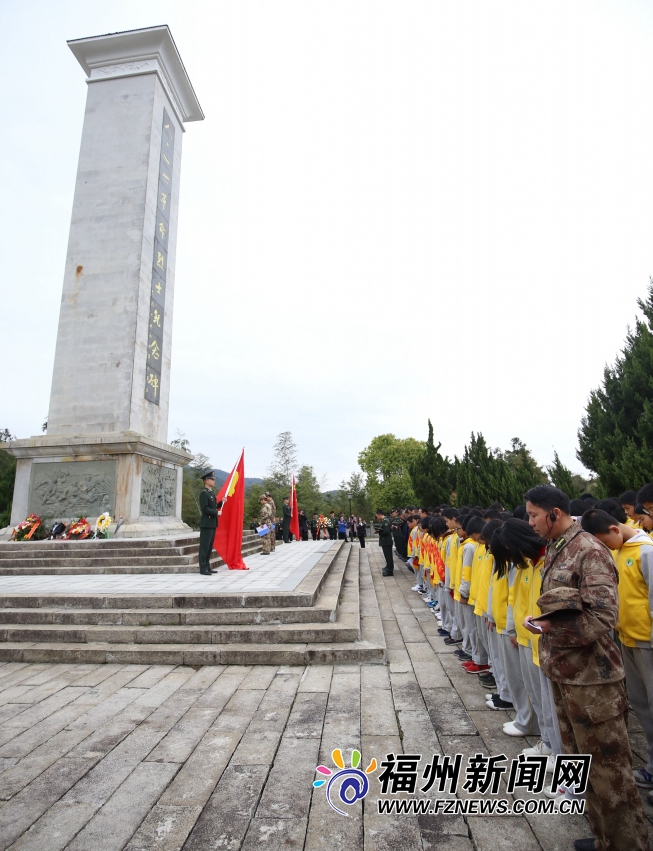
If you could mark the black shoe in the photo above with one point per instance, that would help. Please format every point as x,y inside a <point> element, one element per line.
<point>449,641</point>
<point>464,657</point>
<point>497,703</point>
<point>585,844</point>
<point>205,573</point>
<point>443,633</point>
<point>487,681</point>
<point>387,573</point>
<point>213,571</point>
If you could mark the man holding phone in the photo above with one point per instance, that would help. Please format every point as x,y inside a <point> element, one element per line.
<point>579,656</point>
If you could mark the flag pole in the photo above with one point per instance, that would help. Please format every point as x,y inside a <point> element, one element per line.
<point>233,473</point>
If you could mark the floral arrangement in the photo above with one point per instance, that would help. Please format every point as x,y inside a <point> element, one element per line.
<point>25,530</point>
<point>79,530</point>
<point>102,525</point>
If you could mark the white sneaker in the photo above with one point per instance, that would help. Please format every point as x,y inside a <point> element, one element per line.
<point>510,730</point>
<point>540,749</point>
<point>558,795</point>
<point>415,587</point>
<point>550,764</point>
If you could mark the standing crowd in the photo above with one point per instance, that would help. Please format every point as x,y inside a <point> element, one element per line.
<point>551,608</point>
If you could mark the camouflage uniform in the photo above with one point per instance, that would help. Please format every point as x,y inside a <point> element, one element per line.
<point>579,656</point>
<point>273,519</point>
<point>266,517</point>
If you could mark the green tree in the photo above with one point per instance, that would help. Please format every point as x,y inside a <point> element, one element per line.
<point>562,477</point>
<point>431,474</point>
<point>616,434</point>
<point>309,497</point>
<point>284,463</point>
<point>361,505</point>
<point>385,463</point>
<point>526,472</point>
<point>7,479</point>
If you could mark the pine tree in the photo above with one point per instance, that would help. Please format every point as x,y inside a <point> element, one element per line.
<point>526,472</point>
<point>616,434</point>
<point>481,476</point>
<point>562,477</point>
<point>430,474</point>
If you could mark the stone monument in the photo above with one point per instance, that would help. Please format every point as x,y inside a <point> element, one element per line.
<point>106,442</point>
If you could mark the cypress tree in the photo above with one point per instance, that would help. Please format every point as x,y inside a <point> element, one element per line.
<point>616,434</point>
<point>430,474</point>
<point>562,477</point>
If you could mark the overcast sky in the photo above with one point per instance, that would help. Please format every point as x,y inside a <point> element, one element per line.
<point>393,211</point>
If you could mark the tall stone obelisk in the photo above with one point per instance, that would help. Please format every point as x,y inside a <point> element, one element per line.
<point>106,443</point>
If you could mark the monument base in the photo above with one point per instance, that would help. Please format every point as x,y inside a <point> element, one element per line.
<point>136,479</point>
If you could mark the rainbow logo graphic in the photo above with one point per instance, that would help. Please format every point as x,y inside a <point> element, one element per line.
<point>351,784</point>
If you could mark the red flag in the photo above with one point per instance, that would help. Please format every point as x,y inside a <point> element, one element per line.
<point>228,539</point>
<point>294,514</point>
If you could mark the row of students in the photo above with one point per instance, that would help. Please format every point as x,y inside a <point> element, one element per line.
<point>483,579</point>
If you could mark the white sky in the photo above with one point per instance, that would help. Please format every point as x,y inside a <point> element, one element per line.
<point>393,211</point>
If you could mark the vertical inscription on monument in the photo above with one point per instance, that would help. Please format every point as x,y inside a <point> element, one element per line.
<point>160,265</point>
<point>158,491</point>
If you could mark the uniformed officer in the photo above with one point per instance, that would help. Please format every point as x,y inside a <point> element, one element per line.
<point>285,525</point>
<point>208,522</point>
<point>385,542</point>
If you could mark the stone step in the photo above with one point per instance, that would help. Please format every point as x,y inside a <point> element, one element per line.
<point>325,575</point>
<point>189,540</point>
<point>344,630</point>
<point>195,626</point>
<point>352,639</point>
<point>64,566</point>
<point>345,583</point>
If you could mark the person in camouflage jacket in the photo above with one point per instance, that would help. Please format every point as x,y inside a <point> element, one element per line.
<point>578,654</point>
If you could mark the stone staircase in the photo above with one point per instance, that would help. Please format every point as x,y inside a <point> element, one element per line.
<point>114,555</point>
<point>318,623</point>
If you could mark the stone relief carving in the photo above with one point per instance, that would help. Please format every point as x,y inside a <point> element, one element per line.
<point>158,491</point>
<point>73,488</point>
<point>107,70</point>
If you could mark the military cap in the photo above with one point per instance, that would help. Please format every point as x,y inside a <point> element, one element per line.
<point>208,474</point>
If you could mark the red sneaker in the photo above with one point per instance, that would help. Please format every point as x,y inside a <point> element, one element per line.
<point>469,665</point>
<point>476,669</point>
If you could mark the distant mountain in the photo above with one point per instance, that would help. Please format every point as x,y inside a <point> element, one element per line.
<point>222,476</point>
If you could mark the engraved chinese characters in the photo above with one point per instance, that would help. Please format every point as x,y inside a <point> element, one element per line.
<point>158,491</point>
<point>160,264</point>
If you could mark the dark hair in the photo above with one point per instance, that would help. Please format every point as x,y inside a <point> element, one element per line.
<point>586,495</point>
<point>463,520</point>
<point>628,498</point>
<point>496,505</point>
<point>437,526</point>
<point>492,514</point>
<point>501,554</point>
<point>475,526</point>
<point>613,507</point>
<point>378,511</point>
<point>464,510</point>
<point>645,494</point>
<point>577,507</point>
<point>505,515</point>
<point>450,513</point>
<point>489,529</point>
<point>519,512</point>
<point>548,497</point>
<point>639,509</point>
<point>589,501</point>
<point>424,522</point>
<point>597,522</point>
<point>521,541</point>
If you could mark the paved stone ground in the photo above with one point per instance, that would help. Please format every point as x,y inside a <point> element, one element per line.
<point>160,757</point>
<point>282,570</point>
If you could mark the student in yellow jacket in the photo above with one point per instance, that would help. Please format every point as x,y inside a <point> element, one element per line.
<point>507,560</point>
<point>635,621</point>
<point>451,562</point>
<point>527,551</point>
<point>478,664</point>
